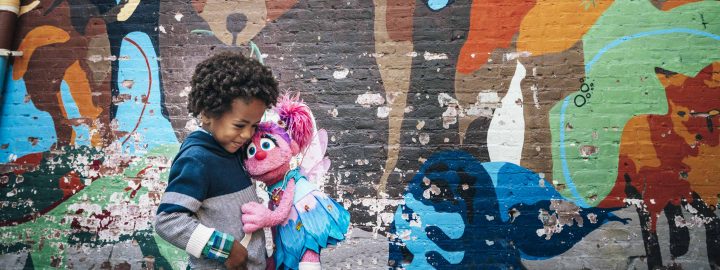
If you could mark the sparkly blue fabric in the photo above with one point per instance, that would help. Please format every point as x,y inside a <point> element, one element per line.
<point>316,221</point>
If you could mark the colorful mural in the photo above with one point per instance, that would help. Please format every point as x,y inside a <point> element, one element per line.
<point>463,133</point>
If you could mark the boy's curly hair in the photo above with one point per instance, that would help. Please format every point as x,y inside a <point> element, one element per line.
<point>222,78</point>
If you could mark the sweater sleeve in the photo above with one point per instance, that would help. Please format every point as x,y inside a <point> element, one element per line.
<point>175,220</point>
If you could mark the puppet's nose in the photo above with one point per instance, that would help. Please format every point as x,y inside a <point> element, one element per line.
<point>261,155</point>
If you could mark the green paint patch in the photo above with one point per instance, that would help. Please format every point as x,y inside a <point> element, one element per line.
<point>110,209</point>
<point>622,50</point>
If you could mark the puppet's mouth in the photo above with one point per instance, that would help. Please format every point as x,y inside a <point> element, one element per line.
<point>271,176</point>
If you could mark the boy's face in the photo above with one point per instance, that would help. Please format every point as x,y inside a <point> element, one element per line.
<point>235,127</point>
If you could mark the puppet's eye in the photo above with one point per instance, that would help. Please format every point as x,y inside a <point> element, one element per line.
<point>251,150</point>
<point>266,144</point>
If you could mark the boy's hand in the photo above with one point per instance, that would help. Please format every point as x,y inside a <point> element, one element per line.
<point>237,258</point>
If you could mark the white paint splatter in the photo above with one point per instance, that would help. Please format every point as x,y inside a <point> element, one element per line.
<point>451,113</point>
<point>420,124</point>
<point>514,55</point>
<point>185,92</point>
<point>178,16</point>
<point>333,112</point>
<point>489,217</point>
<point>424,138</point>
<point>341,74</point>
<point>489,242</point>
<point>162,29</point>
<point>450,116</point>
<point>636,202</point>
<point>412,54</point>
<point>192,125</point>
<point>369,99</point>
<point>383,112</point>
<point>506,133</point>
<point>534,90</point>
<point>434,56</point>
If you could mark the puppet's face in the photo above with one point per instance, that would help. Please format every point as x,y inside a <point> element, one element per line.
<point>268,157</point>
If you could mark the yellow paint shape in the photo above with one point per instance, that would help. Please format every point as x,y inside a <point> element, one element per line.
<point>674,80</point>
<point>127,10</point>
<point>394,66</point>
<point>38,37</point>
<point>554,26</point>
<point>26,8</point>
<point>636,143</point>
<point>678,125</point>
<point>703,173</point>
<point>215,13</point>
<point>76,78</point>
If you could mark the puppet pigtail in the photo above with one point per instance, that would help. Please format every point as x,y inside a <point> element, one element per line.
<point>298,119</point>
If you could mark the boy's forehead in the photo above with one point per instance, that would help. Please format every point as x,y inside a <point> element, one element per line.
<point>251,111</point>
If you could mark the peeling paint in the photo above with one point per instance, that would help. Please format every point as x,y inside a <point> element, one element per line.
<point>341,74</point>
<point>434,56</point>
<point>383,112</point>
<point>369,99</point>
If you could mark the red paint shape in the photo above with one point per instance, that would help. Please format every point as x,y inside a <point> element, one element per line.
<point>70,184</point>
<point>668,183</point>
<point>493,23</point>
<point>26,162</point>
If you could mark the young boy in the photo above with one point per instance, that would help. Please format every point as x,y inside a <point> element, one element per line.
<point>200,209</point>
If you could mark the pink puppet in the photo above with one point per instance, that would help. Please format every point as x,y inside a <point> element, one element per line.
<point>283,155</point>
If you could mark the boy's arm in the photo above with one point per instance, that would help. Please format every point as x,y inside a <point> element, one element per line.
<point>176,221</point>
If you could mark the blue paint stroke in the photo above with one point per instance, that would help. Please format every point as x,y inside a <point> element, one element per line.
<point>483,195</point>
<point>588,66</point>
<point>82,132</point>
<point>153,129</point>
<point>427,215</point>
<point>20,120</point>
<point>436,5</point>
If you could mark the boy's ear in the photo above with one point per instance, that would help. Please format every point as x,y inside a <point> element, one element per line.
<point>204,120</point>
<point>294,148</point>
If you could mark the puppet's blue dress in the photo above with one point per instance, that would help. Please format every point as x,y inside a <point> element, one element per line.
<point>315,221</point>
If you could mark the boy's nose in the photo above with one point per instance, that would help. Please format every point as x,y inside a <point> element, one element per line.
<point>261,155</point>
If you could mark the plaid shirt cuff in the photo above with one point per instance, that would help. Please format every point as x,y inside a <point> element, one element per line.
<point>219,246</point>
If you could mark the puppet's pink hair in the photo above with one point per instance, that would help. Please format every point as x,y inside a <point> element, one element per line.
<point>298,118</point>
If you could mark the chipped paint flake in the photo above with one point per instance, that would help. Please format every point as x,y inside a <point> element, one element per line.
<point>383,112</point>
<point>341,74</point>
<point>434,56</point>
<point>369,99</point>
<point>424,138</point>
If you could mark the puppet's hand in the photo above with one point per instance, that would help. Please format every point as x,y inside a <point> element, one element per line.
<point>255,216</point>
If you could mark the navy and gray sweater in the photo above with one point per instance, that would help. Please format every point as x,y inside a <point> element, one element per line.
<point>206,188</point>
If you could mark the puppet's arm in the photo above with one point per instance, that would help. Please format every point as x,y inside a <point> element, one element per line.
<point>256,216</point>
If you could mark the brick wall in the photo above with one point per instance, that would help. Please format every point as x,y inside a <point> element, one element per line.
<point>463,134</point>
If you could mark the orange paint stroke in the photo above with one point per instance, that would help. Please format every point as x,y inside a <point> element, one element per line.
<point>493,23</point>
<point>38,37</point>
<point>554,26</point>
<point>637,143</point>
<point>276,8</point>
<point>76,78</point>
<point>670,4</point>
